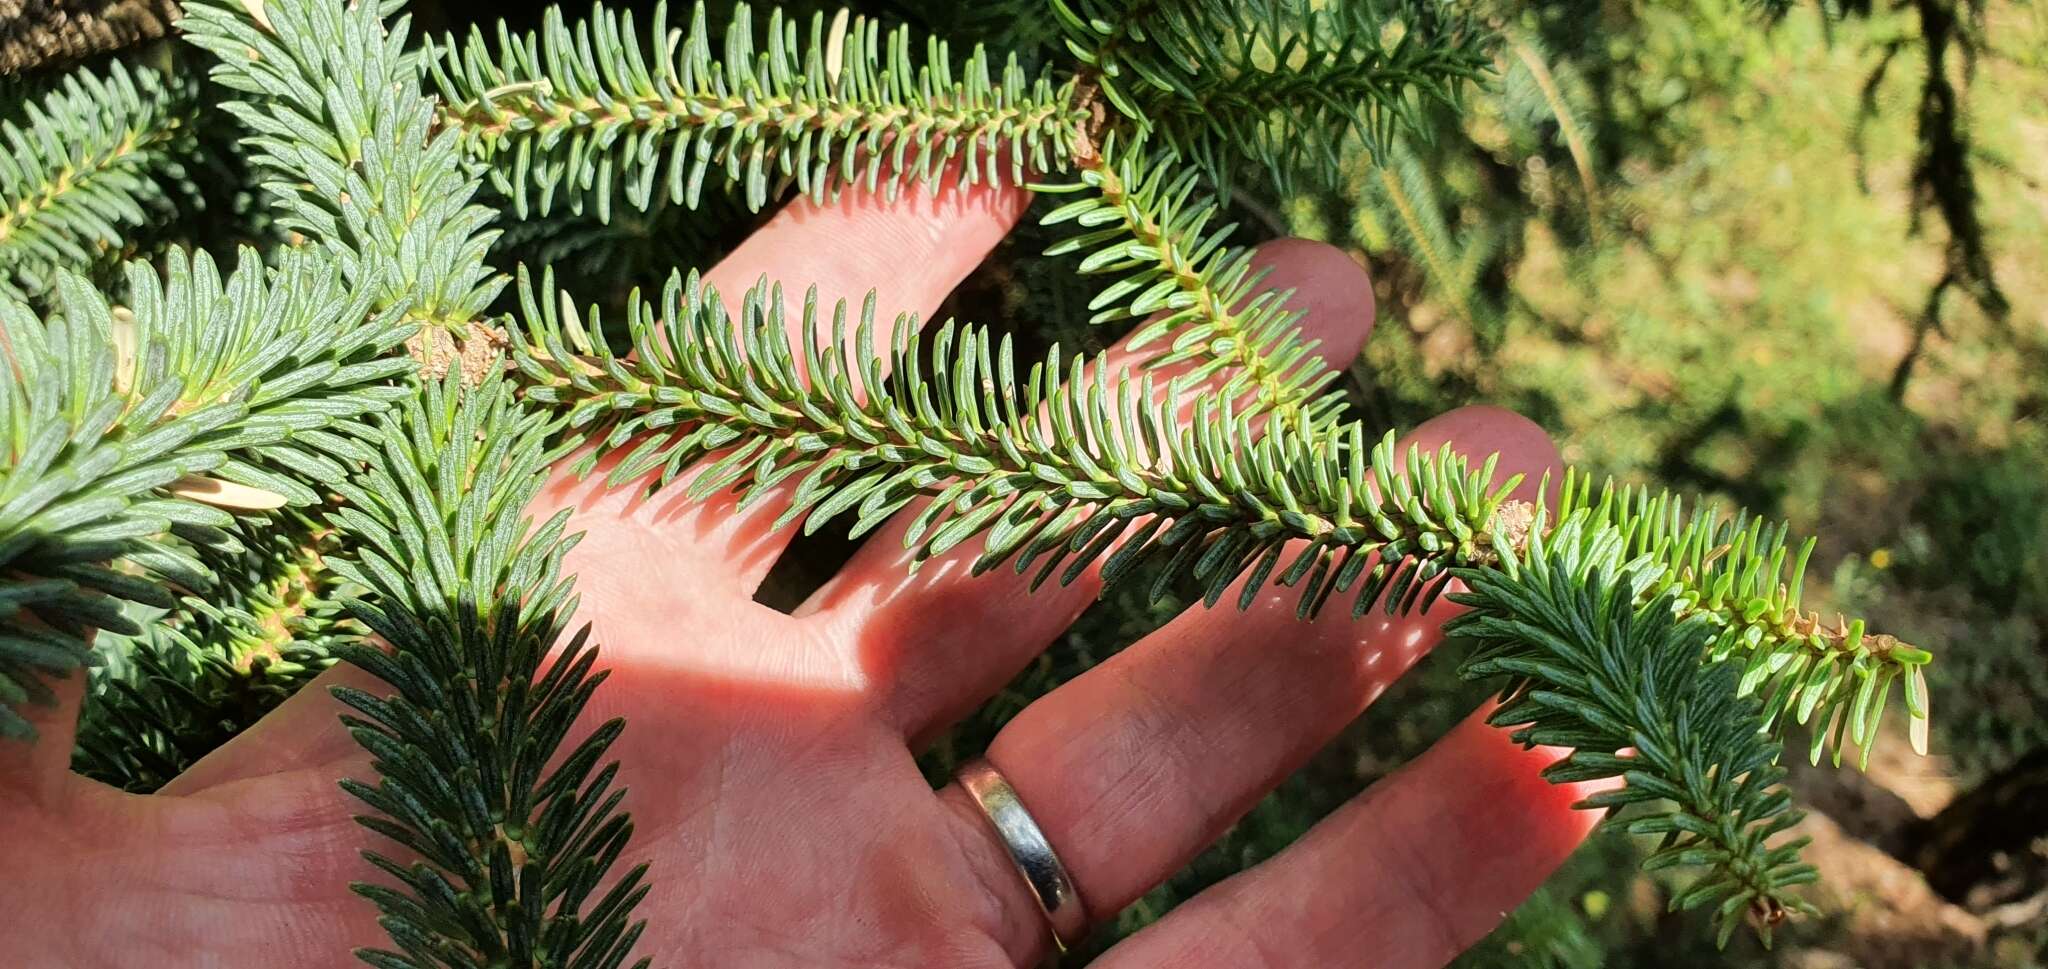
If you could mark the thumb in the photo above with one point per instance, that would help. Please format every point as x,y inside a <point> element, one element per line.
<point>304,731</point>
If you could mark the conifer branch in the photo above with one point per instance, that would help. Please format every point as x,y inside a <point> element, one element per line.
<point>511,842</point>
<point>339,128</point>
<point>1278,84</point>
<point>1610,665</point>
<point>1743,579</point>
<point>1101,34</point>
<point>1058,463</point>
<point>1072,450</point>
<point>594,109</point>
<point>512,836</point>
<point>138,446</point>
<point>1151,229</point>
<point>1074,465</point>
<point>1405,187</point>
<point>115,428</point>
<point>161,700</point>
<point>84,165</point>
<point>1531,57</point>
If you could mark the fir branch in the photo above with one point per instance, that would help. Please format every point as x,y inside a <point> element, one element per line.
<point>118,433</point>
<point>592,110</point>
<point>1061,462</point>
<point>1406,190</point>
<point>345,139</point>
<point>1743,579</point>
<point>86,164</point>
<point>1278,84</point>
<point>1536,88</point>
<point>1071,452</point>
<point>1107,37</point>
<point>512,835</point>
<point>1603,662</point>
<point>511,842</point>
<point>215,664</point>
<point>1630,625</point>
<point>1151,229</point>
<point>1073,465</point>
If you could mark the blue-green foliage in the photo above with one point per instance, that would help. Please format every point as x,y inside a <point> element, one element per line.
<point>153,436</point>
<point>86,163</point>
<point>599,108</point>
<point>244,379</point>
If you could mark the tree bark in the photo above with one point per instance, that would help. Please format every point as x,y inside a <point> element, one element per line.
<point>44,33</point>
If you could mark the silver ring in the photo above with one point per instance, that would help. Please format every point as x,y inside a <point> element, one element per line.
<point>1029,852</point>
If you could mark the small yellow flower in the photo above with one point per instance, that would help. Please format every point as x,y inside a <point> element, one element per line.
<point>1881,559</point>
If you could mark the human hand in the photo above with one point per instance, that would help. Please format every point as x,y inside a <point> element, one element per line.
<point>770,756</point>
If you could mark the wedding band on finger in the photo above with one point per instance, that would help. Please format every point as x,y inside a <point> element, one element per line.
<point>1029,852</point>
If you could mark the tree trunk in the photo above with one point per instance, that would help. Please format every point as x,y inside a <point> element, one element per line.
<point>40,33</point>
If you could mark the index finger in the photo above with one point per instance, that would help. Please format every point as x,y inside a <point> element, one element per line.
<point>910,252</point>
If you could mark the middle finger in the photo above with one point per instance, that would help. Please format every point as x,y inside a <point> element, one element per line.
<point>946,640</point>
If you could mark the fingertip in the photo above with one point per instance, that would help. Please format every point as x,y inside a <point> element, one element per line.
<point>911,248</point>
<point>1484,797</point>
<point>1478,748</point>
<point>1331,288</point>
<point>1480,430</point>
<point>39,767</point>
<point>956,222</point>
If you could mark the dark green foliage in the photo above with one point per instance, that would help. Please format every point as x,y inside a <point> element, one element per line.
<point>510,843</point>
<point>511,834</point>
<point>1602,663</point>
<point>1277,84</point>
<point>1629,625</point>
<point>198,674</point>
<point>1019,27</point>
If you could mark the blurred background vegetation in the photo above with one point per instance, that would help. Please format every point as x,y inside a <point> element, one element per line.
<point>1790,255</point>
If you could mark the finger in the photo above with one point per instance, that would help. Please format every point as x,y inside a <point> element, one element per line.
<point>1135,766</point>
<point>34,770</point>
<point>911,252</point>
<point>304,731</point>
<point>1405,876</point>
<point>911,626</point>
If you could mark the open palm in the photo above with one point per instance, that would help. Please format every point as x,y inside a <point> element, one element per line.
<point>770,755</point>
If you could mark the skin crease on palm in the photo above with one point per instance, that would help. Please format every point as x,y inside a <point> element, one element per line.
<point>770,755</point>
